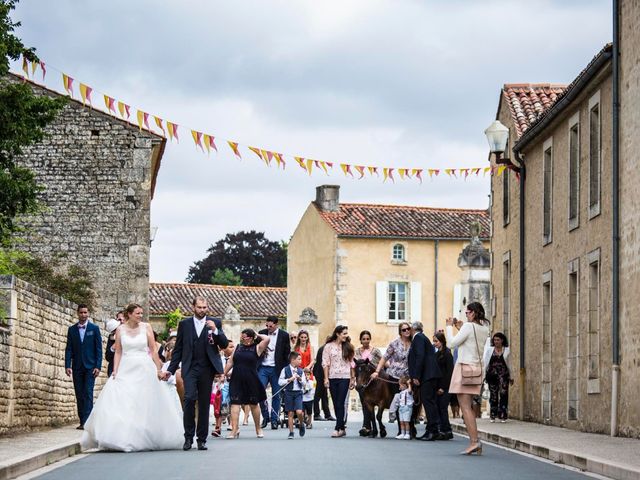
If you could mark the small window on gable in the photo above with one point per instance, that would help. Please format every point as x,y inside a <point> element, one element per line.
<point>398,254</point>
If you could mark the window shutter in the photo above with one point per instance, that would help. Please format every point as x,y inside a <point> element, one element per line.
<point>382,305</point>
<point>415,296</point>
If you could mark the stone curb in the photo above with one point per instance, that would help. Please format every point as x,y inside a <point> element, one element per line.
<point>584,463</point>
<point>27,463</point>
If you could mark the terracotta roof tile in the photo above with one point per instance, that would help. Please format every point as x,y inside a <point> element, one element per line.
<point>251,302</point>
<point>527,102</point>
<point>396,221</point>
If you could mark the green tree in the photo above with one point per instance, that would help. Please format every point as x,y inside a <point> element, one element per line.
<point>251,256</point>
<point>225,277</point>
<point>23,117</point>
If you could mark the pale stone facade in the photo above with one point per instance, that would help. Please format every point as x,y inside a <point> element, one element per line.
<point>98,173</point>
<point>629,403</point>
<point>344,278</point>
<point>567,375</point>
<point>34,390</point>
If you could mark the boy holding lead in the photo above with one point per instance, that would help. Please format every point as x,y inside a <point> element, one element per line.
<point>293,379</point>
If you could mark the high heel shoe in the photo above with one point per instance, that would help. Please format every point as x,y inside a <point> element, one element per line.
<point>470,451</point>
<point>232,435</point>
<point>260,434</point>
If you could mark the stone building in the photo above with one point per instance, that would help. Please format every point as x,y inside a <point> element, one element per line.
<point>372,266</point>
<point>238,307</point>
<point>568,370</point>
<point>99,173</point>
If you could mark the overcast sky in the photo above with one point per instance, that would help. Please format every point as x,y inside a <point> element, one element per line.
<point>372,82</point>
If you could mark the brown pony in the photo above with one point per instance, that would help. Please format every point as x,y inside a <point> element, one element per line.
<point>375,393</point>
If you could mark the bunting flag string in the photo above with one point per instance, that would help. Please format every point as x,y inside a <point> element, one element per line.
<point>85,93</point>
<point>207,141</point>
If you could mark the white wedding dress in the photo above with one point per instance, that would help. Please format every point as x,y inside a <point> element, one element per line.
<point>135,411</point>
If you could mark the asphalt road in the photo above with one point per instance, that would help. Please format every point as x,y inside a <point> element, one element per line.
<point>314,456</point>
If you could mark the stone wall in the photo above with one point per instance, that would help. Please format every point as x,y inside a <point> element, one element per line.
<point>34,390</point>
<point>98,174</point>
<point>629,404</point>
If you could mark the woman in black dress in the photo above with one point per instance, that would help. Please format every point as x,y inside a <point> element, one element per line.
<point>245,387</point>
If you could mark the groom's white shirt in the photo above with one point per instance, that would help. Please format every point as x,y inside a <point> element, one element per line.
<point>199,324</point>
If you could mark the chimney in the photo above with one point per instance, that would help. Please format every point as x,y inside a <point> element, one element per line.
<point>328,197</point>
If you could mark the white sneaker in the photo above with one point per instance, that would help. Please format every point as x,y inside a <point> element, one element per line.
<point>407,436</point>
<point>400,437</point>
<point>493,420</point>
<point>504,420</point>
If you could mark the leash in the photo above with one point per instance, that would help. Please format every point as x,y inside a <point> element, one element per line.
<point>381,379</point>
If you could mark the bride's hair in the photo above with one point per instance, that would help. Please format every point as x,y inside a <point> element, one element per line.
<point>130,309</point>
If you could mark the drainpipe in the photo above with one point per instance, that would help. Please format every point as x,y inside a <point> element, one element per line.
<point>522,289</point>
<point>436,248</point>
<point>615,260</point>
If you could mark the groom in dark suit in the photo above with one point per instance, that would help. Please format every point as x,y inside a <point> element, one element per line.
<point>83,361</point>
<point>199,338</point>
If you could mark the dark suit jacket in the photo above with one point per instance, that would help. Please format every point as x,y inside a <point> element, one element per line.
<point>110,356</point>
<point>422,359</point>
<point>318,371</point>
<point>283,349</point>
<point>183,350</point>
<point>445,363</point>
<point>83,354</point>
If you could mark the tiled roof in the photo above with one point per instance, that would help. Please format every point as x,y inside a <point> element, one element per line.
<point>568,94</point>
<point>527,102</point>
<point>393,221</point>
<point>251,302</point>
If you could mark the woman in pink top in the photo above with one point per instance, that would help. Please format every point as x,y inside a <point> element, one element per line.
<point>339,375</point>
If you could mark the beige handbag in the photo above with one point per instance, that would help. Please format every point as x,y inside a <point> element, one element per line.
<point>472,372</point>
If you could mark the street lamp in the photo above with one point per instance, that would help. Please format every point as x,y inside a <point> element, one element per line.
<point>498,136</point>
<point>152,234</point>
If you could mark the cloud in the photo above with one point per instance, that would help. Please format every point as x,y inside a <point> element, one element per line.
<point>380,82</point>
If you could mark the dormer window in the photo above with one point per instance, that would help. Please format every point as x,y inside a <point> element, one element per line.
<point>398,254</point>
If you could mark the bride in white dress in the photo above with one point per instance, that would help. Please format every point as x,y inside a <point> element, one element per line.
<point>135,410</point>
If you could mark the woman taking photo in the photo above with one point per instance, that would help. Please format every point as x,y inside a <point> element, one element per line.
<point>498,374</point>
<point>303,347</point>
<point>339,375</point>
<point>245,387</point>
<point>366,352</point>
<point>466,380</point>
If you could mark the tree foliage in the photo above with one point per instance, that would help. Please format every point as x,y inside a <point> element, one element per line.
<point>23,117</point>
<point>225,277</point>
<point>256,260</point>
<point>70,281</point>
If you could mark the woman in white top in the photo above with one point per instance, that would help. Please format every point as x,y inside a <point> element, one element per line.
<point>470,342</point>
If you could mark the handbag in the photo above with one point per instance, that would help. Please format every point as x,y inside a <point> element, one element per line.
<point>472,373</point>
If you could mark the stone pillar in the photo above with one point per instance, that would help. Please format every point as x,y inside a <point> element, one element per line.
<point>475,263</point>
<point>308,321</point>
<point>232,324</point>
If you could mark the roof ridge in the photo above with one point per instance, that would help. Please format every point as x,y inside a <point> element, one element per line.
<point>421,207</point>
<point>534,85</point>
<point>218,287</point>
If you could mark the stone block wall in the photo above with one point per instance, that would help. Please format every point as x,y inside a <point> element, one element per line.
<point>34,390</point>
<point>98,173</point>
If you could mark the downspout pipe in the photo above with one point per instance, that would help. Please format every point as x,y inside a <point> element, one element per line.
<point>436,247</point>
<point>522,289</point>
<point>615,234</point>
